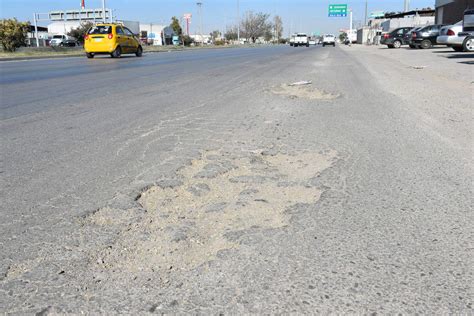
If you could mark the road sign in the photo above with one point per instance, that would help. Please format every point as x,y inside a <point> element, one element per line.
<point>337,10</point>
<point>377,14</point>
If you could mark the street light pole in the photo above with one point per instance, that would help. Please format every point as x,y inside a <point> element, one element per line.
<point>199,4</point>
<point>238,21</point>
<point>103,11</point>
<point>366,5</point>
<point>36,30</point>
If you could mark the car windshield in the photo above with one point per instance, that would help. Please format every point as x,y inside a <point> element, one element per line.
<point>100,29</point>
<point>57,36</point>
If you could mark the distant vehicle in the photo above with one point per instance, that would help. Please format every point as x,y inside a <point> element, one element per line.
<point>425,37</point>
<point>329,39</point>
<point>351,37</point>
<point>408,35</point>
<point>312,42</point>
<point>113,39</point>
<point>448,35</point>
<point>301,39</point>
<point>63,40</point>
<point>292,40</point>
<point>396,38</point>
<point>468,31</point>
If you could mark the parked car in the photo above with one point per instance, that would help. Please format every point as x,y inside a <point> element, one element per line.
<point>396,38</point>
<point>468,31</point>
<point>312,42</point>
<point>63,40</point>
<point>329,39</point>
<point>448,35</point>
<point>408,35</point>
<point>113,39</point>
<point>425,37</point>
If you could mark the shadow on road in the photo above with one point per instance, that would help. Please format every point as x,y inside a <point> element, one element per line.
<point>461,55</point>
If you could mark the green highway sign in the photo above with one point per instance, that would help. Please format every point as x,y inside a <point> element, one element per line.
<point>337,10</point>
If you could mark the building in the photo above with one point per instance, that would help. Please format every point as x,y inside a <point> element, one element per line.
<point>412,18</point>
<point>451,11</point>
<point>152,33</point>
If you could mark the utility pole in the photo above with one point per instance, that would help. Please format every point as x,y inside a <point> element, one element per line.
<point>103,11</point>
<point>407,6</point>
<point>238,21</point>
<point>199,4</point>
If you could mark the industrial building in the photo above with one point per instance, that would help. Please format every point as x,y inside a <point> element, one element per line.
<point>451,11</point>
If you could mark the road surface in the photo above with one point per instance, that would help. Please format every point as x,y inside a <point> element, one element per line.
<point>200,181</point>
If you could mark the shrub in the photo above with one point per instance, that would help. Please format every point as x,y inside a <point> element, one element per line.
<point>13,34</point>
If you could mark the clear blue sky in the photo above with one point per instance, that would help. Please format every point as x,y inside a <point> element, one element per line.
<point>298,15</point>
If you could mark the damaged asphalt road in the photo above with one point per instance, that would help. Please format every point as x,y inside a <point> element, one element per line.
<point>205,183</point>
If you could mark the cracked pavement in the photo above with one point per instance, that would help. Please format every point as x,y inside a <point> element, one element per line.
<point>198,182</point>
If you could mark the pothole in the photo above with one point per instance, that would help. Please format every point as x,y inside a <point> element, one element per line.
<point>186,224</point>
<point>303,91</point>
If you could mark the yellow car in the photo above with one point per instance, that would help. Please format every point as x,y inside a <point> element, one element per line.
<point>111,38</point>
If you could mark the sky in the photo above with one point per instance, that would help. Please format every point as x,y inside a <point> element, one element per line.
<point>298,15</point>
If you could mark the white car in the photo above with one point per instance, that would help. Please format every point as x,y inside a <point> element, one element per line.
<point>329,39</point>
<point>312,42</point>
<point>448,35</point>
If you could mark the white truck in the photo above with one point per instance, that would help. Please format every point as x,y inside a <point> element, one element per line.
<point>301,39</point>
<point>329,39</point>
<point>63,40</point>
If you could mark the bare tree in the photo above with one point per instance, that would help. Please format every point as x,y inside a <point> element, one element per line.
<point>231,33</point>
<point>278,27</point>
<point>255,25</point>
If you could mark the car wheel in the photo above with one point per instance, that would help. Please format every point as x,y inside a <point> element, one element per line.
<point>397,44</point>
<point>139,52</point>
<point>117,52</point>
<point>425,44</point>
<point>412,46</point>
<point>90,55</point>
<point>324,45</point>
<point>468,44</point>
<point>458,48</point>
<point>307,45</point>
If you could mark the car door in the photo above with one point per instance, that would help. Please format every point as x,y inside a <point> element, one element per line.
<point>121,39</point>
<point>434,32</point>
<point>132,41</point>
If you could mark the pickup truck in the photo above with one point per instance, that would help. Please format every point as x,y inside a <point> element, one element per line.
<point>63,40</point>
<point>301,39</point>
<point>329,39</point>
